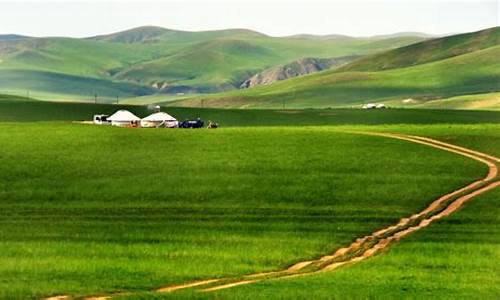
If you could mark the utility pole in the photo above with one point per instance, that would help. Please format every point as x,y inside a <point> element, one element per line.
<point>95,98</point>
<point>202,103</point>
<point>116,99</point>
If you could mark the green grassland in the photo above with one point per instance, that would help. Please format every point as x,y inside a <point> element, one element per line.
<point>476,72</point>
<point>453,258</point>
<point>87,209</point>
<point>18,109</point>
<point>129,63</point>
<point>90,209</point>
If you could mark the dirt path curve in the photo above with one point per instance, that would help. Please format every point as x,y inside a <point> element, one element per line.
<point>367,246</point>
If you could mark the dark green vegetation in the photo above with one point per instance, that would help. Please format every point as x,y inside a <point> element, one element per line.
<point>21,110</point>
<point>430,70</point>
<point>150,60</point>
<point>87,209</point>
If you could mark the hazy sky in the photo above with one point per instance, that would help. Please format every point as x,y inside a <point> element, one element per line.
<point>273,17</point>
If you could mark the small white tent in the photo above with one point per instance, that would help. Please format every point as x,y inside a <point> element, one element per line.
<point>159,119</point>
<point>123,118</point>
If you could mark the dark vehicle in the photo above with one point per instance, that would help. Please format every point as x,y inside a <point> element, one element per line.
<point>198,123</point>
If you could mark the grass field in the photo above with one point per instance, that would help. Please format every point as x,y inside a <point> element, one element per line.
<point>90,209</point>
<point>15,110</point>
<point>454,258</point>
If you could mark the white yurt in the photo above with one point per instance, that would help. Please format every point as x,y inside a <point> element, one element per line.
<point>124,118</point>
<point>159,119</point>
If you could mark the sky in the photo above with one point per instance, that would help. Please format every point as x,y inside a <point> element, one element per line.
<point>273,17</point>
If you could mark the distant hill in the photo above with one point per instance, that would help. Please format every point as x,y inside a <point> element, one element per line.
<point>12,37</point>
<point>470,73</point>
<point>224,63</point>
<point>428,51</point>
<point>321,37</point>
<point>296,68</point>
<point>402,34</point>
<point>159,60</point>
<point>152,34</point>
<point>375,37</point>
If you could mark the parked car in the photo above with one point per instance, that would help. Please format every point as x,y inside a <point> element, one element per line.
<point>198,123</point>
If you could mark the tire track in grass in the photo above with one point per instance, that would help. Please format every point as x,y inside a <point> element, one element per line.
<point>367,246</point>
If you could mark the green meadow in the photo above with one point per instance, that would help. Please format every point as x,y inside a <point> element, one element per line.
<point>94,209</point>
<point>18,109</point>
<point>454,258</point>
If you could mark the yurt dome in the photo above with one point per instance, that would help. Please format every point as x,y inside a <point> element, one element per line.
<point>123,118</point>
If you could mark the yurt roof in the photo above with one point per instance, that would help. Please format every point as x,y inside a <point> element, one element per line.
<point>159,116</point>
<point>123,115</point>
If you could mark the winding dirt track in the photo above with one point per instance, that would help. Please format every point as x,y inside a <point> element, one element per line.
<point>367,246</point>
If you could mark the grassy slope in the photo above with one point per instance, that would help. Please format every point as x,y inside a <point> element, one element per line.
<point>92,209</point>
<point>58,86</point>
<point>225,62</point>
<point>73,56</point>
<point>428,51</point>
<point>69,67</point>
<point>207,61</point>
<point>476,72</point>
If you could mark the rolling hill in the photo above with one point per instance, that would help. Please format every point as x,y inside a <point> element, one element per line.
<point>428,51</point>
<point>154,34</point>
<point>158,60</point>
<point>470,73</point>
<point>225,62</point>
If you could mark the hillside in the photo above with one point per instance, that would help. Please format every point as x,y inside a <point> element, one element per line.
<point>476,72</point>
<point>158,60</point>
<point>296,68</point>
<point>428,51</point>
<point>153,34</point>
<point>224,63</point>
